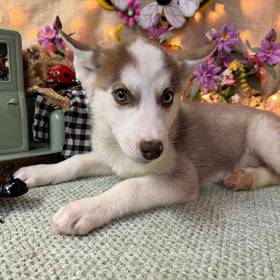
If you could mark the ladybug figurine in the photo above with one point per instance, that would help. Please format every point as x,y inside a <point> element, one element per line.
<point>61,74</point>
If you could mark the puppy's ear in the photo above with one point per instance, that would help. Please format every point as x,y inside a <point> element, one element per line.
<point>86,61</point>
<point>190,60</point>
<point>84,55</point>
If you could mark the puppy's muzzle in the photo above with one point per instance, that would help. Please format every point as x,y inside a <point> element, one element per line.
<point>151,149</point>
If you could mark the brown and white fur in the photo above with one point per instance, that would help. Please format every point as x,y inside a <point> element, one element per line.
<point>202,144</point>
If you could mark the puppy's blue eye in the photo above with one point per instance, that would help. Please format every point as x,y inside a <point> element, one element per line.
<point>167,97</point>
<point>122,96</point>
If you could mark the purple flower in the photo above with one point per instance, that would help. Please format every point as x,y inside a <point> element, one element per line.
<point>158,31</point>
<point>269,52</point>
<point>225,58</point>
<point>207,75</point>
<point>227,38</point>
<point>49,38</point>
<point>59,43</point>
<point>271,36</point>
<point>47,35</point>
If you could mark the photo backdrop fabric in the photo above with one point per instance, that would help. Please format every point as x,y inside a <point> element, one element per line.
<point>91,23</point>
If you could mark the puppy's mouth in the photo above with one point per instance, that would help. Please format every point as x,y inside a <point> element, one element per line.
<point>143,160</point>
<point>149,158</point>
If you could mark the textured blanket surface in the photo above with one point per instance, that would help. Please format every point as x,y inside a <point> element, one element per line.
<point>223,235</point>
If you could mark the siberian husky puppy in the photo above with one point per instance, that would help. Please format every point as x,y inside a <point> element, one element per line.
<point>142,132</point>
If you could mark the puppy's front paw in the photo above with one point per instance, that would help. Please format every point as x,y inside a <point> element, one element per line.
<point>80,217</point>
<point>36,175</point>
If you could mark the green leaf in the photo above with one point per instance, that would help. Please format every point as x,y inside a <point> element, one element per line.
<point>238,55</point>
<point>271,71</point>
<point>254,82</point>
<point>255,50</point>
<point>228,92</point>
<point>195,90</point>
<point>251,71</point>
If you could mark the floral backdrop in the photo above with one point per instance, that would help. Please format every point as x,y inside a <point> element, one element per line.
<point>253,71</point>
<point>252,17</point>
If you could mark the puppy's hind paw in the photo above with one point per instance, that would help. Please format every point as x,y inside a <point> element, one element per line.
<point>240,180</point>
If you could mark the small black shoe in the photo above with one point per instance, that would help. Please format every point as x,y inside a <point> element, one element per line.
<point>13,188</point>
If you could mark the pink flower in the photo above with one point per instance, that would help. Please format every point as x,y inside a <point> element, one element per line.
<point>131,15</point>
<point>258,65</point>
<point>228,78</point>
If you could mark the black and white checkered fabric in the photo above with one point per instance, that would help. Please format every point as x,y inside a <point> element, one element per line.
<point>41,119</point>
<point>77,125</point>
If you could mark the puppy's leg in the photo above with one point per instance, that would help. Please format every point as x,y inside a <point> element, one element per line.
<point>251,178</point>
<point>69,169</point>
<point>129,196</point>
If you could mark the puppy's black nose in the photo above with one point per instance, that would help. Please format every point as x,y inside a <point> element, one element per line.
<point>151,149</point>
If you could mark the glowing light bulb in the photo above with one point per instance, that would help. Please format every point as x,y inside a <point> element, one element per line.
<point>249,8</point>
<point>77,25</point>
<point>219,12</point>
<point>111,32</point>
<point>277,23</point>
<point>197,16</point>
<point>18,17</point>
<point>90,5</point>
<point>176,42</point>
<point>246,35</point>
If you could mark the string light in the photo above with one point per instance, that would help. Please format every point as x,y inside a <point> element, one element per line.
<point>277,23</point>
<point>111,32</point>
<point>18,17</point>
<point>246,35</point>
<point>77,24</point>
<point>197,17</point>
<point>219,13</point>
<point>176,42</point>
<point>173,44</point>
<point>249,8</point>
<point>90,5</point>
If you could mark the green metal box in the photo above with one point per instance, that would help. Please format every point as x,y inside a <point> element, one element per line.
<point>15,118</point>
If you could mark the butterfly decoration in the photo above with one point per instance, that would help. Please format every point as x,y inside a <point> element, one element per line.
<point>174,11</point>
<point>157,17</point>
